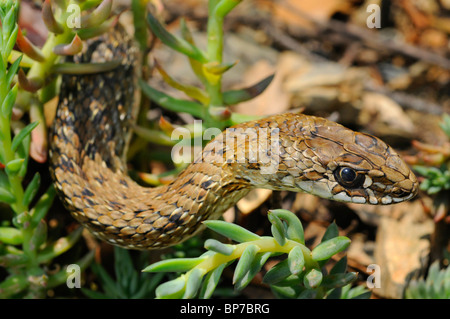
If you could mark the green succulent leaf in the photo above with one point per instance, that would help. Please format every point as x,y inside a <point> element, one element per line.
<point>42,206</point>
<point>11,236</point>
<point>31,190</point>
<point>245,262</point>
<point>39,235</point>
<point>339,280</point>
<point>190,90</point>
<point>258,261</point>
<point>313,278</point>
<point>13,167</point>
<point>9,100</point>
<point>174,265</point>
<point>174,42</point>
<point>26,131</point>
<point>61,277</point>
<point>294,229</point>
<point>340,266</point>
<point>358,292</point>
<point>107,281</point>
<point>218,247</point>
<point>60,246</point>
<point>330,247</point>
<point>237,96</point>
<point>218,68</point>
<point>84,68</point>
<point>436,180</point>
<point>13,260</point>
<point>287,292</point>
<point>172,289</point>
<point>92,32</point>
<point>97,16</point>
<point>298,276</point>
<point>13,285</point>
<point>193,283</point>
<point>232,231</point>
<point>12,71</point>
<point>296,260</point>
<point>435,286</point>
<point>277,228</point>
<point>196,66</point>
<point>172,103</point>
<point>277,273</point>
<point>12,40</point>
<point>210,282</point>
<point>331,232</point>
<point>138,8</point>
<point>6,196</point>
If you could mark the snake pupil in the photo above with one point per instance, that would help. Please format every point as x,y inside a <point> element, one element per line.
<point>347,174</point>
<point>348,177</point>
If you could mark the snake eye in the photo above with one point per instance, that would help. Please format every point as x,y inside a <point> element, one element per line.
<point>348,177</point>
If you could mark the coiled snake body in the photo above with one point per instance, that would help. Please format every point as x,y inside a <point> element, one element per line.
<point>302,153</point>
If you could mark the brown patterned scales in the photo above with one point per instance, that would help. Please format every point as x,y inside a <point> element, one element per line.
<point>292,152</point>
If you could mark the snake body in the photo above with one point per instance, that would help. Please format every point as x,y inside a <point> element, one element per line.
<point>296,152</point>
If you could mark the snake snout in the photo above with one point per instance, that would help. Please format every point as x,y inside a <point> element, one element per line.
<point>404,184</point>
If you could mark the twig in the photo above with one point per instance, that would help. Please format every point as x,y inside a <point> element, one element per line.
<point>373,39</point>
<point>292,44</point>
<point>408,101</point>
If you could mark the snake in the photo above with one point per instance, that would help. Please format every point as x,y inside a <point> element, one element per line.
<point>295,152</point>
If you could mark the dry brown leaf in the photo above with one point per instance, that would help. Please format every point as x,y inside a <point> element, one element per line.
<point>50,111</point>
<point>402,246</point>
<point>253,200</point>
<point>418,18</point>
<point>442,23</point>
<point>314,233</point>
<point>384,116</point>
<point>230,215</point>
<point>313,75</point>
<point>324,86</point>
<point>357,251</point>
<point>289,12</point>
<point>30,19</point>
<point>434,39</point>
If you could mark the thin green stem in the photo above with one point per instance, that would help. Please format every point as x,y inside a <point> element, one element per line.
<point>8,155</point>
<point>265,244</point>
<point>214,50</point>
<point>42,70</point>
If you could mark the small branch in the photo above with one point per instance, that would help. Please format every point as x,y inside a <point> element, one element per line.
<point>373,39</point>
<point>408,101</point>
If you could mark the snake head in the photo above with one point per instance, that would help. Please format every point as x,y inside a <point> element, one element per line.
<point>362,181</point>
<point>355,167</point>
<point>296,152</point>
<point>326,159</point>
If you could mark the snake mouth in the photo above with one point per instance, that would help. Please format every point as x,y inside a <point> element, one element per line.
<point>386,200</point>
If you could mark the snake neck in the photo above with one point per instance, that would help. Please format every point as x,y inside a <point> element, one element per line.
<point>115,208</point>
<point>89,139</point>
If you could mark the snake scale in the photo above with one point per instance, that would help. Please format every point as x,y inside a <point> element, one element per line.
<point>90,135</point>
